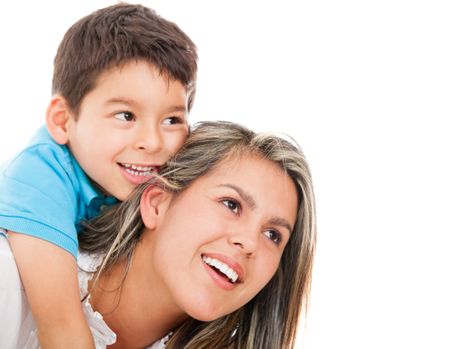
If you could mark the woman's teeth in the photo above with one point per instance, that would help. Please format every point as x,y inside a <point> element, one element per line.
<point>222,267</point>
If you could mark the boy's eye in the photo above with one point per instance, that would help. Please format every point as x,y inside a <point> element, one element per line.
<point>273,235</point>
<point>173,120</point>
<point>232,205</point>
<point>125,116</point>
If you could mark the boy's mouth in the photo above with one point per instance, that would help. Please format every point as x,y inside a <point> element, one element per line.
<point>139,170</point>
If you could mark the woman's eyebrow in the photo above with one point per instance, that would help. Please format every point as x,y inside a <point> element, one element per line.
<point>249,200</point>
<point>282,223</point>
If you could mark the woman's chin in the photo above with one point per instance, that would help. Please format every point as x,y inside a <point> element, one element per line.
<point>206,312</point>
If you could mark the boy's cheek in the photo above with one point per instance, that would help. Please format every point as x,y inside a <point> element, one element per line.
<point>176,142</point>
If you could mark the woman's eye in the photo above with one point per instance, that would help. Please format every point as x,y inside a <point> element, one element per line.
<point>125,116</point>
<point>173,120</point>
<point>273,235</point>
<point>232,205</point>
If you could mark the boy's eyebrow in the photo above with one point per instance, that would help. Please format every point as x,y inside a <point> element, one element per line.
<point>133,103</point>
<point>176,108</point>
<point>122,100</point>
<point>250,201</point>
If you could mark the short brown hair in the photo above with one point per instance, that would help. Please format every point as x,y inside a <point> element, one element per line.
<point>114,35</point>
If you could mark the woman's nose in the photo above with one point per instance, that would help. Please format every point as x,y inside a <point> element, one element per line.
<point>246,241</point>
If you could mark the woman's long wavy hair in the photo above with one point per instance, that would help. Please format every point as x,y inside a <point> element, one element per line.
<point>272,317</point>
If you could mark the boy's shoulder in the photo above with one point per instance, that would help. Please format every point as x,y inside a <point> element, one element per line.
<point>45,193</point>
<point>43,143</point>
<point>40,156</point>
<point>48,167</point>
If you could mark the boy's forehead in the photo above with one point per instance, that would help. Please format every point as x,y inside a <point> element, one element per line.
<point>121,68</point>
<point>139,86</point>
<point>113,70</point>
<point>119,80</point>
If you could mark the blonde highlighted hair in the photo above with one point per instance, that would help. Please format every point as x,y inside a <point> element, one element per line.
<point>272,317</point>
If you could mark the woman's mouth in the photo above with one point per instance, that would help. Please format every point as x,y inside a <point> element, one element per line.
<point>224,271</point>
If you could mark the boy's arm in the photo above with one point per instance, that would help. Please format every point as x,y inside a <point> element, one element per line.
<point>50,278</point>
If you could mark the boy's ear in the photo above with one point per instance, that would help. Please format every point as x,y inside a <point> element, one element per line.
<point>57,119</point>
<point>154,204</point>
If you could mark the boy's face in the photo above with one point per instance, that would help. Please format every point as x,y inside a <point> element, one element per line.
<point>128,126</point>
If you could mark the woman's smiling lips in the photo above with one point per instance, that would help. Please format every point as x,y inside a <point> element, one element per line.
<point>137,173</point>
<point>225,272</point>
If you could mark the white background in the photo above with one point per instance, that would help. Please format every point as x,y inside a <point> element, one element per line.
<point>364,88</point>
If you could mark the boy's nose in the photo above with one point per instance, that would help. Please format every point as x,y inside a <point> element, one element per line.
<point>149,140</point>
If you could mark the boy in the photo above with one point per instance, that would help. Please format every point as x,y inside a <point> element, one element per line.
<point>123,84</point>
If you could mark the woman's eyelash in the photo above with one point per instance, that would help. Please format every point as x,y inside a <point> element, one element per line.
<point>232,205</point>
<point>274,235</point>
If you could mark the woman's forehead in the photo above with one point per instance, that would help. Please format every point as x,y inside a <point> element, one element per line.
<point>260,180</point>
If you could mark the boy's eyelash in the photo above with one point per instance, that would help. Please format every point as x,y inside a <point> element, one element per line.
<point>232,205</point>
<point>176,119</point>
<point>127,116</point>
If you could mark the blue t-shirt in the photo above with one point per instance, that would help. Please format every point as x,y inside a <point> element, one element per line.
<point>46,194</point>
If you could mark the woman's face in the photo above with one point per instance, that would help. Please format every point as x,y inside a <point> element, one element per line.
<point>220,241</point>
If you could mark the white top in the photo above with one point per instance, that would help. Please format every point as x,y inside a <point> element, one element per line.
<point>17,326</point>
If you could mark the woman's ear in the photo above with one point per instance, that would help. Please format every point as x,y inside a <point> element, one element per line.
<point>154,203</point>
<point>57,119</point>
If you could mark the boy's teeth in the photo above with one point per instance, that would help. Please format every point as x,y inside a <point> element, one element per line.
<point>224,268</point>
<point>141,168</point>
<point>138,170</point>
<point>136,173</point>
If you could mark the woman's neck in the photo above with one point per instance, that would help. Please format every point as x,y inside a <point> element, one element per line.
<point>132,303</point>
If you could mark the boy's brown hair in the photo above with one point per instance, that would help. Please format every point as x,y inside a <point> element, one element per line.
<point>115,35</point>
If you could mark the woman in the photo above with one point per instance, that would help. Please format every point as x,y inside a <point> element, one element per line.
<point>217,250</point>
